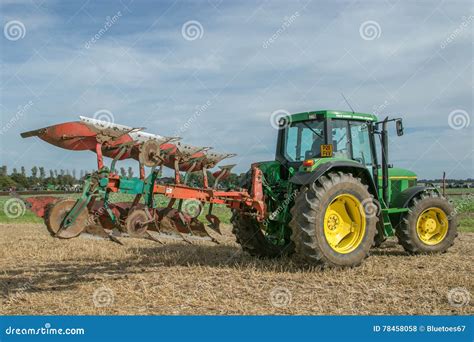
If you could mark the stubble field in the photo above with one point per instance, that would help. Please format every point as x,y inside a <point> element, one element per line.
<point>42,275</point>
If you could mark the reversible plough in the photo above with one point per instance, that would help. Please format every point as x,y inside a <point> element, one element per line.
<point>94,213</point>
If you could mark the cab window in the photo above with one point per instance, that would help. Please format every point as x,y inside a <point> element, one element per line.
<point>361,151</point>
<point>303,140</point>
<point>340,139</point>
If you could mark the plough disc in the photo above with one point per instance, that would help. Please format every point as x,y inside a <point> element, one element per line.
<point>54,217</point>
<point>137,223</point>
<point>149,153</point>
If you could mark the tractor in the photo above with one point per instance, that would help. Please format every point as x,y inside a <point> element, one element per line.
<point>331,194</point>
<point>325,197</point>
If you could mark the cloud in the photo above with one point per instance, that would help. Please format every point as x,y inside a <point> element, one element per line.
<point>147,74</point>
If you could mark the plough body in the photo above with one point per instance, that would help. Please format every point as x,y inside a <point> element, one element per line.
<point>94,213</point>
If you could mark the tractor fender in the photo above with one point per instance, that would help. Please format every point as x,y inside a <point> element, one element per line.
<point>402,200</point>
<point>357,170</point>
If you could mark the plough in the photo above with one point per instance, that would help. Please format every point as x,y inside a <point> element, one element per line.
<point>94,213</point>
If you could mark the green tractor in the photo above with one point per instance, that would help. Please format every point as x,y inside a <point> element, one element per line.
<point>331,194</point>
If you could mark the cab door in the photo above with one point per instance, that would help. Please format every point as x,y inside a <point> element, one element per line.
<point>361,144</point>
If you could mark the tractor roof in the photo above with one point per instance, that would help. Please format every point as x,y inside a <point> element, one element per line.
<point>337,114</point>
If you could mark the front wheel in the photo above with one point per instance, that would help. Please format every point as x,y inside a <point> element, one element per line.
<point>330,226</point>
<point>430,226</point>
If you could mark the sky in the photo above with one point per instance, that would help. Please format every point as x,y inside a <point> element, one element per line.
<point>213,72</point>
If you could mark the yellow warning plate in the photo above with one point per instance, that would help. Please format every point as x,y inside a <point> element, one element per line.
<point>326,150</point>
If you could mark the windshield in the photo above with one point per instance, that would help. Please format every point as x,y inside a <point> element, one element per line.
<point>303,140</point>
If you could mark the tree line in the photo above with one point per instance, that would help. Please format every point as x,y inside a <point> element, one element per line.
<point>38,178</point>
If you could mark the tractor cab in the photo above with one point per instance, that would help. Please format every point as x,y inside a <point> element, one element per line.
<point>307,141</point>
<point>325,134</point>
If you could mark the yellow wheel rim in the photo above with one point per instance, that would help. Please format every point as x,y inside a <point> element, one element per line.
<point>432,226</point>
<point>344,223</point>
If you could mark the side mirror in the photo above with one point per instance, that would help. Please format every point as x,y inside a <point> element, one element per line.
<point>399,124</point>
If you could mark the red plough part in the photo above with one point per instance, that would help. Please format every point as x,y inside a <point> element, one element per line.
<point>38,204</point>
<point>94,213</point>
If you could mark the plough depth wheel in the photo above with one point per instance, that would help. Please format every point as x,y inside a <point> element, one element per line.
<point>137,223</point>
<point>55,215</point>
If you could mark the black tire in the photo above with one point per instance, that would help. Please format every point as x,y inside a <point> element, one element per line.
<point>379,238</point>
<point>406,231</point>
<point>249,235</point>
<point>307,223</point>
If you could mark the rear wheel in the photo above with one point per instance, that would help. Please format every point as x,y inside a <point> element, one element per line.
<point>250,234</point>
<point>379,238</point>
<point>330,224</point>
<point>430,226</point>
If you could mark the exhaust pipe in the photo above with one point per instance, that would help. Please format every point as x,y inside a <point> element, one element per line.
<point>384,135</point>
